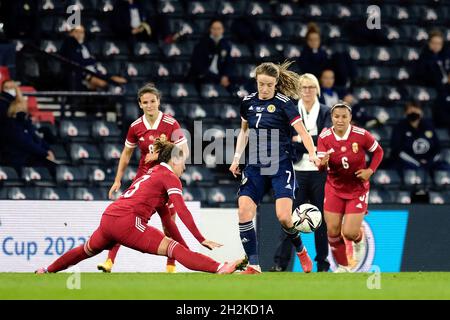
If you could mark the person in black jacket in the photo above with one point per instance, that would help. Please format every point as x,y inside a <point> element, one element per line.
<point>414,142</point>
<point>74,49</point>
<point>441,110</point>
<point>311,181</point>
<point>211,61</point>
<point>433,66</point>
<point>23,146</point>
<point>313,58</point>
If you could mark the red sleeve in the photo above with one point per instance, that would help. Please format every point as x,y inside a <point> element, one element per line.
<point>372,145</point>
<point>170,226</point>
<point>177,136</point>
<point>174,190</point>
<point>132,139</point>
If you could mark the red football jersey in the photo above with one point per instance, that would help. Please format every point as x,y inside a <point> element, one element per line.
<point>347,155</point>
<point>150,193</point>
<point>142,134</point>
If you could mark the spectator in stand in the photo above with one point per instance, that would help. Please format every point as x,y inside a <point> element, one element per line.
<point>129,21</point>
<point>414,142</point>
<point>7,95</point>
<point>22,144</point>
<point>442,107</point>
<point>433,66</point>
<point>314,58</point>
<point>330,94</point>
<point>211,61</point>
<point>73,49</point>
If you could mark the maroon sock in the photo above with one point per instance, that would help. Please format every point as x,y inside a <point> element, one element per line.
<point>113,252</point>
<point>191,260</point>
<point>70,258</point>
<point>338,249</point>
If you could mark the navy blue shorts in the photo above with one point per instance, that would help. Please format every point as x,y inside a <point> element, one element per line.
<point>255,185</point>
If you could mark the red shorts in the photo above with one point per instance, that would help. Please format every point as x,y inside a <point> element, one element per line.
<point>335,204</point>
<point>130,231</point>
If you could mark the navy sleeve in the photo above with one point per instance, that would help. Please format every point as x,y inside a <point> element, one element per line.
<point>244,110</point>
<point>291,111</point>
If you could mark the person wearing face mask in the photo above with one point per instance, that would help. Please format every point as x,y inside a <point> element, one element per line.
<point>22,145</point>
<point>75,50</point>
<point>211,61</point>
<point>433,66</point>
<point>414,142</point>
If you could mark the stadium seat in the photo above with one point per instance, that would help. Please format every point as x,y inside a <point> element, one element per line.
<point>74,130</point>
<point>227,111</point>
<point>401,74</point>
<point>114,48</point>
<point>185,28</point>
<point>230,8</point>
<point>88,194</point>
<point>95,26</point>
<point>70,176</point>
<point>417,35</point>
<point>183,91</point>
<point>375,73</point>
<point>361,55</point>
<point>198,175</point>
<point>147,50</point>
<point>332,32</point>
<point>9,177</point>
<point>60,154</point>
<point>50,6</point>
<point>175,111</point>
<point>54,194</point>
<point>178,70</point>
<point>81,5</point>
<point>442,178</point>
<point>60,26</point>
<point>222,197</point>
<point>100,176</point>
<point>316,12</point>
<point>265,51</point>
<point>368,94</point>
<point>195,111</point>
<point>443,136</point>
<point>385,55</point>
<point>37,176</point>
<point>194,194</point>
<point>22,193</point>
<point>395,13</point>
<point>382,134</point>
<point>240,52</point>
<point>401,197</point>
<point>170,8</point>
<point>379,197</point>
<point>389,178</point>
<point>439,197</point>
<point>106,5</point>
<point>84,153</point>
<point>105,131</point>
<point>393,94</point>
<point>50,46</point>
<point>200,9</point>
<point>181,50</point>
<point>129,175</point>
<point>211,91</point>
<point>111,152</point>
<point>415,177</point>
<point>292,51</point>
<point>272,30</point>
<point>422,94</point>
<point>258,9</point>
<point>409,54</point>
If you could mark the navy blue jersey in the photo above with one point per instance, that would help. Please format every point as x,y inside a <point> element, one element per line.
<point>269,122</point>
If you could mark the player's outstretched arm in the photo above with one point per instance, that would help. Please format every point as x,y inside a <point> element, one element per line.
<point>241,144</point>
<point>307,142</point>
<point>125,157</point>
<point>170,225</point>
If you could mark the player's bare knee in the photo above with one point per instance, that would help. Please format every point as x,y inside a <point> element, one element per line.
<point>351,235</point>
<point>333,232</point>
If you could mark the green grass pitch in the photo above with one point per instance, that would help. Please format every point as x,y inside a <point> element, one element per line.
<point>290,286</point>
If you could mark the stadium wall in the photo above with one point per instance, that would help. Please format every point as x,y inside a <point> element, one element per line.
<point>399,238</point>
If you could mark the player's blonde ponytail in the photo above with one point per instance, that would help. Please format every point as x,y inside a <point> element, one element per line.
<point>166,150</point>
<point>287,81</point>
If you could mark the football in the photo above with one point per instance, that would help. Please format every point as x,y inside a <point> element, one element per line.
<point>306,218</point>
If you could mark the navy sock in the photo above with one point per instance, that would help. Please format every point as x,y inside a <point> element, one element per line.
<point>249,242</point>
<point>294,235</point>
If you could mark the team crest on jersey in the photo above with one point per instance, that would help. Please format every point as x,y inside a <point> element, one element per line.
<point>429,134</point>
<point>163,137</point>
<point>151,137</point>
<point>355,147</point>
<point>343,149</point>
<point>271,108</point>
